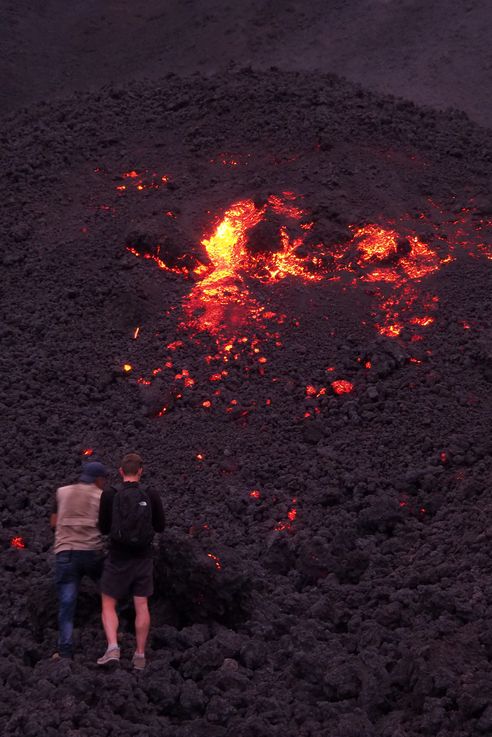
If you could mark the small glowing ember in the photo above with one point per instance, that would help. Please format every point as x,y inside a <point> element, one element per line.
<point>185,377</point>
<point>291,517</point>
<point>127,367</point>
<point>424,321</point>
<point>88,452</point>
<point>216,561</point>
<point>283,525</point>
<point>17,542</point>
<point>255,494</point>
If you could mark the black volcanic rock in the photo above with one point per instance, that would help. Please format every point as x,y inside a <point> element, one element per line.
<point>265,237</point>
<point>325,565</point>
<point>169,243</point>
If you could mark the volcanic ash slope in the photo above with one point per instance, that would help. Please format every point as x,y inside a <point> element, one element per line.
<point>325,569</point>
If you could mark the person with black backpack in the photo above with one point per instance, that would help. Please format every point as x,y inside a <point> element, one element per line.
<point>130,514</point>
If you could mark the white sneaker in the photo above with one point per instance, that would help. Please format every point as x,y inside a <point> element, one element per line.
<point>110,656</point>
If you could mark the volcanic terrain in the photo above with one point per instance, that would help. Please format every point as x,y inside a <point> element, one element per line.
<point>277,287</point>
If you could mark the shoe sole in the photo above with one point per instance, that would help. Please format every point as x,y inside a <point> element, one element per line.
<point>112,662</point>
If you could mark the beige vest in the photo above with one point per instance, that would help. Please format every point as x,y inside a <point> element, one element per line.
<point>77,515</point>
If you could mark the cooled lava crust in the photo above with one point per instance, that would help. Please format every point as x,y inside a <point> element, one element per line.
<point>326,478</point>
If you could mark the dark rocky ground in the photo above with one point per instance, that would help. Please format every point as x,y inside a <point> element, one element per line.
<point>434,53</point>
<point>369,615</point>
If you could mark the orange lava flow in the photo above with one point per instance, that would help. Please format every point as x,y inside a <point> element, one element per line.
<point>387,261</point>
<point>376,244</point>
<point>226,247</point>
<point>221,294</point>
<point>221,303</point>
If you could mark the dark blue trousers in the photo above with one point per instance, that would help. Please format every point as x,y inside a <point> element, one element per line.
<point>70,567</point>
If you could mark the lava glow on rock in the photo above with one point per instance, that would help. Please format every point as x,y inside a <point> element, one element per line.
<point>388,262</point>
<point>17,542</point>
<point>221,303</point>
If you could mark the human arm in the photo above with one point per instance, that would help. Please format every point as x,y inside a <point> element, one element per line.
<point>54,513</point>
<point>105,511</point>
<point>158,518</point>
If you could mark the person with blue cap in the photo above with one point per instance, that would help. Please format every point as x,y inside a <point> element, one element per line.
<point>78,545</point>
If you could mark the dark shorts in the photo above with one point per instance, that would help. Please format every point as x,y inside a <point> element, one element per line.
<point>123,578</point>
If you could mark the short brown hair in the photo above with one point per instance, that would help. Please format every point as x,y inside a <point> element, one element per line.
<point>131,464</point>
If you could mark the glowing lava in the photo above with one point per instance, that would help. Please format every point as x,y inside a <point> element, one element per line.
<point>389,262</point>
<point>291,518</point>
<point>216,561</point>
<point>398,263</point>
<point>17,542</point>
<point>221,303</point>
<point>342,386</point>
<point>221,296</point>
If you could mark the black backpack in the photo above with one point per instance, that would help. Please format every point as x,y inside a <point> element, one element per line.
<point>131,523</point>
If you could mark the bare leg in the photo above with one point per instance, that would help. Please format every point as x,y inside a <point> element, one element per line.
<point>110,620</point>
<point>142,622</point>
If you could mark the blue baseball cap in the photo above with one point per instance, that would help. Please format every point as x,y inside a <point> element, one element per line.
<point>92,471</point>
